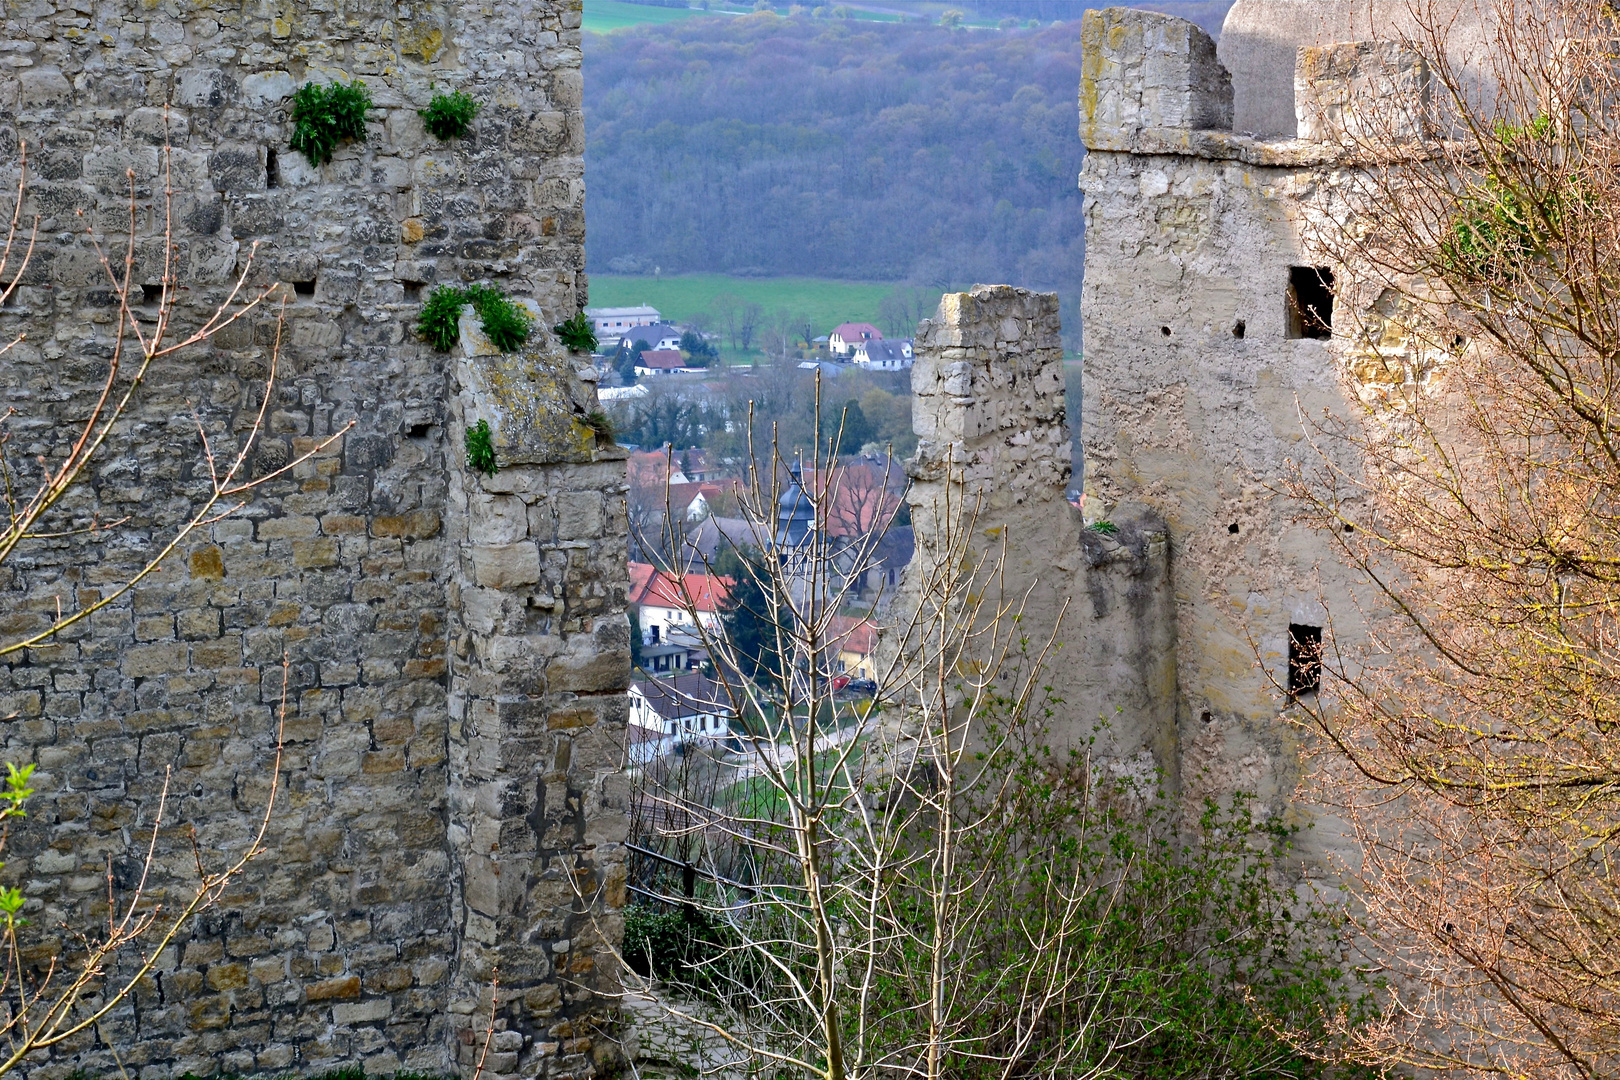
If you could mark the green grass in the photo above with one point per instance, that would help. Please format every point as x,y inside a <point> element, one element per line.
<point>601,16</point>
<point>681,296</point>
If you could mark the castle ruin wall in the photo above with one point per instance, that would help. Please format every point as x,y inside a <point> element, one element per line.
<point>456,645</point>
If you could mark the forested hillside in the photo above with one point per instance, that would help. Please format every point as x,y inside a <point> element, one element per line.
<point>764,145</point>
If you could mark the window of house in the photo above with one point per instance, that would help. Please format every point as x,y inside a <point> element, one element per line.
<point>1304,659</point>
<point>654,629</point>
<point>1310,302</point>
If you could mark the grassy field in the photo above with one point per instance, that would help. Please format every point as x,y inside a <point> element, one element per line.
<point>681,296</point>
<point>602,16</point>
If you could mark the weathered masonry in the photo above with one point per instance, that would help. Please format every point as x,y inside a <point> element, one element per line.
<point>1209,335</point>
<point>457,643</point>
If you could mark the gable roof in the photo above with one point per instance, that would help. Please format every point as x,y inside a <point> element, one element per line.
<point>679,696</point>
<point>880,351</point>
<point>651,333</point>
<point>852,635</point>
<point>858,331</point>
<point>649,585</point>
<point>661,358</point>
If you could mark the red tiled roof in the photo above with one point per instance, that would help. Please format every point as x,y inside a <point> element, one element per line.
<point>857,331</point>
<point>649,585</point>
<point>662,358</point>
<point>853,635</point>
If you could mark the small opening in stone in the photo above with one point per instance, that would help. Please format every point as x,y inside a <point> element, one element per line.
<point>152,295</point>
<point>413,289</point>
<point>1239,328</point>
<point>1207,717</point>
<point>1349,528</point>
<point>1232,528</point>
<point>1165,330</point>
<point>272,169</point>
<point>1304,659</point>
<point>418,431</point>
<point>1310,302</point>
<point>304,288</point>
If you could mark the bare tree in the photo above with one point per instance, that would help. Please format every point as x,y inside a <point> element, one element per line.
<point>748,317</point>
<point>908,885</point>
<point>1471,743</point>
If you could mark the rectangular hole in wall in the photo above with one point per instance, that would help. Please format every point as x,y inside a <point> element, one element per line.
<point>1304,659</point>
<point>151,295</point>
<point>413,289</point>
<point>1310,302</point>
<point>272,168</point>
<point>304,288</point>
<point>418,431</point>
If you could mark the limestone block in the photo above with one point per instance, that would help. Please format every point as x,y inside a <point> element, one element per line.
<point>1361,90</point>
<point>1146,72</point>
<point>505,566</point>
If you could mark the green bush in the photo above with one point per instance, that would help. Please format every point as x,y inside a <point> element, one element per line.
<point>679,945</point>
<point>324,116</point>
<point>504,323</point>
<point>440,322</point>
<point>480,445</point>
<point>449,116</point>
<point>577,333</point>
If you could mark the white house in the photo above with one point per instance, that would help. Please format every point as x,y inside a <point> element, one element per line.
<point>612,322</point>
<point>660,606</point>
<point>846,336</point>
<point>658,336</point>
<point>681,708</point>
<point>883,355</point>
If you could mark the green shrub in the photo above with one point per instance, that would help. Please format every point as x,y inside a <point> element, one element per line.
<point>324,116</point>
<point>678,945</point>
<point>577,332</point>
<point>449,116</point>
<point>505,324</point>
<point>481,449</point>
<point>440,322</point>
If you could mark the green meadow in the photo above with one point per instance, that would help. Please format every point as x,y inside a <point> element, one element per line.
<point>680,296</point>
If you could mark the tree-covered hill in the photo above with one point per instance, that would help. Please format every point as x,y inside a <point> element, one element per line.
<point>764,145</point>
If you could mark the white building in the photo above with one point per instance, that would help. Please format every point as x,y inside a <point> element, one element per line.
<point>612,322</point>
<point>846,336</point>
<point>680,708</point>
<point>883,355</point>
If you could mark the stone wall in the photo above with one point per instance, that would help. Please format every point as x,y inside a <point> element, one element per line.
<point>442,726</point>
<point>993,456</point>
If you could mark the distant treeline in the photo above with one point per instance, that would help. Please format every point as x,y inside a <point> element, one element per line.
<point>759,145</point>
<point>770,146</point>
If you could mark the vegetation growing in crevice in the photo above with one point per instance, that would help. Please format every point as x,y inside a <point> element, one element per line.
<point>449,116</point>
<point>577,332</point>
<point>324,116</point>
<point>480,445</point>
<point>504,323</point>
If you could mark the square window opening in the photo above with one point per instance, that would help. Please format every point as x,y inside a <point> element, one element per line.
<point>1310,302</point>
<point>152,295</point>
<point>304,288</point>
<point>1304,659</point>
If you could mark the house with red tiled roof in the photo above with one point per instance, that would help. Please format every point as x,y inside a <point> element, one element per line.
<point>660,362</point>
<point>661,601</point>
<point>854,639</point>
<point>846,336</point>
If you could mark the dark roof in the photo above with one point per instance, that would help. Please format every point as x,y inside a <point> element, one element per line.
<point>650,334</point>
<point>679,696</point>
<point>661,358</point>
<point>884,350</point>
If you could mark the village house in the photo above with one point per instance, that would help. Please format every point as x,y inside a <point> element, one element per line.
<point>661,336</point>
<point>880,355</point>
<point>846,336</point>
<point>662,362</point>
<point>855,639</point>
<point>612,322</point>
<point>681,708</point>
<point>661,601</point>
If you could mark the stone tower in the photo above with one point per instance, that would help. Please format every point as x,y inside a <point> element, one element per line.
<point>456,642</point>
